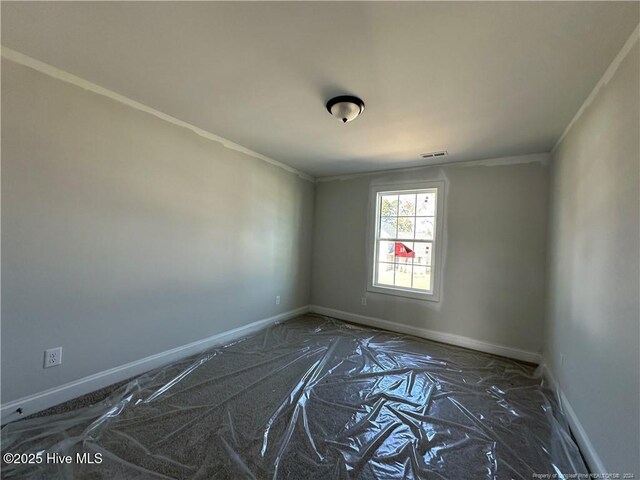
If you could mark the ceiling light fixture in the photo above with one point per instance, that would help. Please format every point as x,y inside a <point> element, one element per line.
<point>345,107</point>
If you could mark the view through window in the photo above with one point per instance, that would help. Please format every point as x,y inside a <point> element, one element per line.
<point>405,239</point>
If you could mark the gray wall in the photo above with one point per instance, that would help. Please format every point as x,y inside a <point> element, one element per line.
<point>495,253</point>
<point>594,319</point>
<point>124,235</point>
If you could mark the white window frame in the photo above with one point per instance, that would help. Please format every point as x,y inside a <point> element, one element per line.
<point>374,233</point>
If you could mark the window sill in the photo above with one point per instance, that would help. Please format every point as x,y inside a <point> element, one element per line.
<point>401,292</point>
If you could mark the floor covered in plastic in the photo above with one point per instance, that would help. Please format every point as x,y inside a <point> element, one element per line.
<point>313,398</point>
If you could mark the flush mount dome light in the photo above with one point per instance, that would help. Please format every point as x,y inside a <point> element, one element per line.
<point>345,107</point>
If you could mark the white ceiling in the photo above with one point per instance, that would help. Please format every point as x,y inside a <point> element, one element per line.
<point>481,80</point>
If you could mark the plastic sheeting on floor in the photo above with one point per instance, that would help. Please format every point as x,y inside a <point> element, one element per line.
<point>313,398</point>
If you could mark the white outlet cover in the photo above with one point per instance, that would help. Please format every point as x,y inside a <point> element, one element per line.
<point>52,357</point>
<point>278,300</point>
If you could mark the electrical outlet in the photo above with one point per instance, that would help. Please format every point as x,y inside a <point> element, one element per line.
<point>562,359</point>
<point>363,301</point>
<point>278,300</point>
<point>52,357</point>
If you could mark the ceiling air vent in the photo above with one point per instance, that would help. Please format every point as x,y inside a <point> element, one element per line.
<point>442,153</point>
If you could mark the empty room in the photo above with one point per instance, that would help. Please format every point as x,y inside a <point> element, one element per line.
<point>320,240</point>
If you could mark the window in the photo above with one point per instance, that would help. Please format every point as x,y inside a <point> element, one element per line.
<point>405,241</point>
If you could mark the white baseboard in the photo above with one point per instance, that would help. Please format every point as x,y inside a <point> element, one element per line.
<point>443,337</point>
<point>594,462</point>
<point>53,396</point>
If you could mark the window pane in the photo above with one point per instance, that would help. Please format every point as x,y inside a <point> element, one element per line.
<point>386,251</point>
<point>424,228</point>
<point>405,242</point>
<point>422,278</point>
<point>423,253</point>
<point>426,204</point>
<point>403,275</point>
<point>406,227</point>
<point>404,252</point>
<point>389,205</point>
<point>388,227</point>
<point>407,204</point>
<point>385,274</point>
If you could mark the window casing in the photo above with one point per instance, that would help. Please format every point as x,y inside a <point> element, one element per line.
<point>406,240</point>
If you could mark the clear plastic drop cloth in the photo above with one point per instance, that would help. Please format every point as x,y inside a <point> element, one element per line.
<point>312,398</point>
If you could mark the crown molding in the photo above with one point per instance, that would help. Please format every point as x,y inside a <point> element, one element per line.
<point>67,77</point>
<point>541,158</point>
<point>608,75</point>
